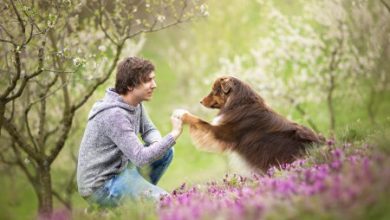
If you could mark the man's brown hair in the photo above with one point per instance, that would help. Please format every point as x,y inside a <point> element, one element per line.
<point>131,72</point>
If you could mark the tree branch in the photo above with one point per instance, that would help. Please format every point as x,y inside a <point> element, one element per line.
<point>11,117</point>
<point>57,71</point>
<point>30,35</point>
<point>20,20</point>
<point>8,162</point>
<point>32,23</point>
<point>62,200</point>
<point>102,80</point>
<point>68,117</point>
<point>15,79</point>
<point>27,77</point>
<point>64,132</point>
<point>49,133</point>
<point>26,111</point>
<point>2,112</point>
<point>387,6</point>
<point>16,135</point>
<point>7,32</point>
<point>42,120</point>
<point>20,162</point>
<point>70,185</point>
<point>7,41</point>
<point>100,17</point>
<point>179,21</point>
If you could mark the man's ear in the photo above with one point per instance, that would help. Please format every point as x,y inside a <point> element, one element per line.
<point>130,88</point>
<point>226,85</point>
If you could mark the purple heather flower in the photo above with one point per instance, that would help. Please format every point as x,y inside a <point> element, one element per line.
<point>340,183</point>
<point>336,165</point>
<point>337,153</point>
<point>330,142</point>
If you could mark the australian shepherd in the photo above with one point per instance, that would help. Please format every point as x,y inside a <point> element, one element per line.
<point>246,126</point>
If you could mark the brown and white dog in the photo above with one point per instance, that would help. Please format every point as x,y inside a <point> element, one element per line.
<point>247,126</point>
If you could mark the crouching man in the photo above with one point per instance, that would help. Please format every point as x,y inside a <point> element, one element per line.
<point>111,152</point>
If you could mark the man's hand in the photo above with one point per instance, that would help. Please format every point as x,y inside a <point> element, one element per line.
<point>179,113</point>
<point>177,123</point>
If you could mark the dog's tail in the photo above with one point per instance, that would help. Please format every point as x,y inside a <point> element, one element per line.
<point>307,135</point>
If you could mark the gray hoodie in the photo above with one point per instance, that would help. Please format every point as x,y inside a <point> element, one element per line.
<point>110,140</point>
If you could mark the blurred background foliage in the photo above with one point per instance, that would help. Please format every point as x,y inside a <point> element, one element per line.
<point>320,63</point>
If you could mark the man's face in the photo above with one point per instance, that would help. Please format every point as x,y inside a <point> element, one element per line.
<point>144,91</point>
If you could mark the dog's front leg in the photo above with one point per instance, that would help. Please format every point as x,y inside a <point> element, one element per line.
<point>193,120</point>
<point>203,134</point>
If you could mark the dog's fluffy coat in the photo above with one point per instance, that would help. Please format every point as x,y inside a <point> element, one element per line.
<point>248,127</point>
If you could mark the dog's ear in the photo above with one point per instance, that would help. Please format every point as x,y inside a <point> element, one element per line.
<point>226,85</point>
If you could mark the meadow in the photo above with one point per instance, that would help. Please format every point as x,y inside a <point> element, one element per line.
<point>319,63</point>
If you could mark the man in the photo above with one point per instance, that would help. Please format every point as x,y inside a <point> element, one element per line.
<point>110,150</point>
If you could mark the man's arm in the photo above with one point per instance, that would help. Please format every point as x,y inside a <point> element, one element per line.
<point>149,132</point>
<point>121,132</point>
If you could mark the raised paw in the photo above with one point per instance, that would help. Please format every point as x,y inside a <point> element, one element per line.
<point>179,113</point>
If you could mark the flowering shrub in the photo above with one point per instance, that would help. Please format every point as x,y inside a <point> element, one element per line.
<point>334,182</point>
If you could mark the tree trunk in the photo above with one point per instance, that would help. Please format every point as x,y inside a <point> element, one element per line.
<point>370,106</point>
<point>44,191</point>
<point>332,119</point>
<point>2,111</point>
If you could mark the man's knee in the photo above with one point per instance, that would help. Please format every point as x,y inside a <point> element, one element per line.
<point>165,159</point>
<point>169,155</point>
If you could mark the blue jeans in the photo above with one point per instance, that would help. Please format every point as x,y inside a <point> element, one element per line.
<point>130,184</point>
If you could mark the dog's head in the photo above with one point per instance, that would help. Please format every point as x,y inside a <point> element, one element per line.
<point>222,88</point>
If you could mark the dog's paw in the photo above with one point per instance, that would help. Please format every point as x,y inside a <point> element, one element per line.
<point>179,113</point>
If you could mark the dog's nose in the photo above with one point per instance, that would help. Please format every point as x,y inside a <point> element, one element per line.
<point>201,101</point>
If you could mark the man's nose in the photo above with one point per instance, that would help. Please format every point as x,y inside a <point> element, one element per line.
<point>154,84</point>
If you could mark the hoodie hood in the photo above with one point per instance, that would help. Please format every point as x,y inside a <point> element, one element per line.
<point>110,100</point>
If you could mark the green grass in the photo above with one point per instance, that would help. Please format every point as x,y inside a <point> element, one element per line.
<point>17,200</point>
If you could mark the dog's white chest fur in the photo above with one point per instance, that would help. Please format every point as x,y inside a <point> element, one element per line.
<point>217,120</point>
<point>204,139</point>
<point>238,165</point>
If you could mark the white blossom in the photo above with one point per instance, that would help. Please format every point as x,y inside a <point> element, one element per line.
<point>204,10</point>
<point>102,48</point>
<point>77,61</point>
<point>161,18</point>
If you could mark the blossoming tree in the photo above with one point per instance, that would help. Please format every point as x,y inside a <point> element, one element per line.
<point>335,49</point>
<point>55,54</point>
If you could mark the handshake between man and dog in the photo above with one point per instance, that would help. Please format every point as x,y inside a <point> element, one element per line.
<point>247,126</point>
